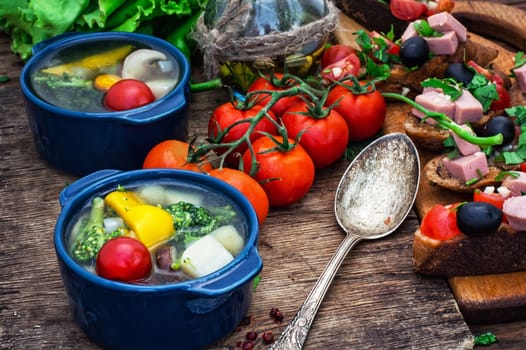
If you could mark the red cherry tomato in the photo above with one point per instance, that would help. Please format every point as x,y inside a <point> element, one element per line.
<point>363,112</point>
<point>407,10</point>
<point>127,94</point>
<point>124,259</point>
<point>285,175</point>
<point>492,198</point>
<point>248,186</point>
<point>226,115</point>
<point>325,138</point>
<point>349,65</point>
<point>390,47</point>
<point>267,84</point>
<point>440,222</point>
<point>336,53</point>
<point>503,101</point>
<point>173,154</point>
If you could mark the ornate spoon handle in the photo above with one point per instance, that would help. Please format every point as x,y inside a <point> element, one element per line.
<point>296,332</point>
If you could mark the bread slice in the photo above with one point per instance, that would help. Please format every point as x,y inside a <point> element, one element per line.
<point>436,173</point>
<point>500,252</point>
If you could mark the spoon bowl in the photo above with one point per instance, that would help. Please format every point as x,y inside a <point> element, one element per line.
<point>373,198</point>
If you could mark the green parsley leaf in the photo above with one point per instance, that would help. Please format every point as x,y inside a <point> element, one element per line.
<point>449,86</point>
<point>483,90</point>
<point>520,59</point>
<point>423,28</point>
<point>485,339</point>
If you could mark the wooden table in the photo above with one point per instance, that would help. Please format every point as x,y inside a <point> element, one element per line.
<point>375,302</point>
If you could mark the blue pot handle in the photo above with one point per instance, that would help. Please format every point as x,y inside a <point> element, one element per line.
<point>42,44</point>
<point>82,183</point>
<point>236,277</point>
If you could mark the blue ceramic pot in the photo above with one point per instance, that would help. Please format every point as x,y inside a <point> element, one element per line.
<point>83,142</point>
<point>186,315</point>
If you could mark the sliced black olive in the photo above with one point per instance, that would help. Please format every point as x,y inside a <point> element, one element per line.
<point>460,73</point>
<point>478,218</point>
<point>503,125</point>
<point>414,52</point>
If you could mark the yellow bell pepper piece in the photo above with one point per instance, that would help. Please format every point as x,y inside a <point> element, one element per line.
<point>151,224</point>
<point>92,62</point>
<point>122,201</point>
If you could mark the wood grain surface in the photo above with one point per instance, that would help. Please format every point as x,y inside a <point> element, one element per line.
<point>375,302</point>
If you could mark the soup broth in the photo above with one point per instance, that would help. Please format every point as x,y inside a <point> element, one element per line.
<point>197,215</point>
<point>66,78</point>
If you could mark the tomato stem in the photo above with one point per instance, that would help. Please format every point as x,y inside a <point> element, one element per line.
<point>447,122</point>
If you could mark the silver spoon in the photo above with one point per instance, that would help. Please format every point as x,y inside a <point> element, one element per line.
<point>374,196</point>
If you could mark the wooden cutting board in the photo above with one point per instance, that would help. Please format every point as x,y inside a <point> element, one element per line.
<point>488,298</point>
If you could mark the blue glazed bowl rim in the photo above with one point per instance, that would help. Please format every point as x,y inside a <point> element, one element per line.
<point>220,276</point>
<point>171,101</point>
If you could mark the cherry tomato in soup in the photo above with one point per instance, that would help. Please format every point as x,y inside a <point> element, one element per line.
<point>173,154</point>
<point>440,222</point>
<point>273,83</point>
<point>248,186</point>
<point>324,138</point>
<point>128,94</point>
<point>285,174</point>
<point>225,116</point>
<point>407,10</point>
<point>124,259</point>
<point>363,111</point>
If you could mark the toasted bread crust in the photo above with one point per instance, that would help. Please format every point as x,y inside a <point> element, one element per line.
<point>425,135</point>
<point>436,172</point>
<point>500,252</point>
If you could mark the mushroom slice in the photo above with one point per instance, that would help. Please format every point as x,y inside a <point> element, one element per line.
<point>153,68</point>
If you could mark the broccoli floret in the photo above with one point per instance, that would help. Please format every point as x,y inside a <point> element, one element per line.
<point>92,236</point>
<point>192,222</point>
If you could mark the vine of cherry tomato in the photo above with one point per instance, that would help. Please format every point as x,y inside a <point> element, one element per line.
<point>227,115</point>
<point>266,84</point>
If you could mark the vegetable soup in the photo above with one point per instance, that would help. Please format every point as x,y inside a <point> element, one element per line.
<point>88,77</point>
<point>173,232</point>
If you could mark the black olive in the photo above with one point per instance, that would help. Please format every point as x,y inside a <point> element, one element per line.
<point>460,73</point>
<point>503,125</point>
<point>478,218</point>
<point>414,52</point>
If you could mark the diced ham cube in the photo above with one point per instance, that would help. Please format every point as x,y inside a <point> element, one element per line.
<point>445,22</point>
<point>466,168</point>
<point>468,109</point>
<point>516,185</point>
<point>520,75</point>
<point>464,147</point>
<point>514,209</point>
<point>410,31</point>
<point>435,102</point>
<point>446,44</point>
